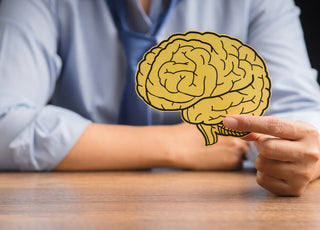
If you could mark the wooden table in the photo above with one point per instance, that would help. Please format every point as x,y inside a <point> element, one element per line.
<point>150,200</point>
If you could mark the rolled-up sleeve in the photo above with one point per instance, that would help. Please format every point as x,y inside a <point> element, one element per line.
<point>33,134</point>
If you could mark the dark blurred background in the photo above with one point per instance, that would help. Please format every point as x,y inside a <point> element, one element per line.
<point>310,20</point>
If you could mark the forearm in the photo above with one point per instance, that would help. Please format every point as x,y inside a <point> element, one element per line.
<point>117,147</point>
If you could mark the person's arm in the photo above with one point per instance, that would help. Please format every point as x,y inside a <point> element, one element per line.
<point>119,147</point>
<point>34,135</point>
<point>38,136</point>
<point>288,148</point>
<point>276,33</point>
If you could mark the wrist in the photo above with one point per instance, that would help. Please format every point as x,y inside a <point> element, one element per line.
<point>157,145</point>
<point>176,145</point>
<point>168,155</point>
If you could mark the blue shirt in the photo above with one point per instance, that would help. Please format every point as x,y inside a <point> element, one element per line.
<point>62,67</point>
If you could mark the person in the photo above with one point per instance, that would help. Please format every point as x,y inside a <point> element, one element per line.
<point>64,67</point>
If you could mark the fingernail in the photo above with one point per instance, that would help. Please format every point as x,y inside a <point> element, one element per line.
<point>230,122</point>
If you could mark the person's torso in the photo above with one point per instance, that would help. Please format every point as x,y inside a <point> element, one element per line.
<point>93,75</point>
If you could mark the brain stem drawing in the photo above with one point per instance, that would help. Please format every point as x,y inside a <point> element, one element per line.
<point>205,76</point>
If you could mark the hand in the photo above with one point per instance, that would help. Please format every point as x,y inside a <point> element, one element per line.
<point>289,152</point>
<point>189,151</point>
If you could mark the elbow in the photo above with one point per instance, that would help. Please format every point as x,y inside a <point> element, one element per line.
<point>37,139</point>
<point>14,118</point>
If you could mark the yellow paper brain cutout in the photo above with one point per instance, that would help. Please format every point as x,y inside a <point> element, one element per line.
<point>206,76</point>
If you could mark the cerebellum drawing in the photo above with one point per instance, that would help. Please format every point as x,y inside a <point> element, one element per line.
<point>205,76</point>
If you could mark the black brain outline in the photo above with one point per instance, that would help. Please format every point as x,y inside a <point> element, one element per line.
<point>206,76</point>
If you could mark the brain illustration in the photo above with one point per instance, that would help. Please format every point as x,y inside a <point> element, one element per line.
<point>205,76</point>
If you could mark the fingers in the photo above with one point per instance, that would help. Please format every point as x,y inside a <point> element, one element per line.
<point>277,127</point>
<point>279,149</point>
<point>252,137</point>
<point>274,168</point>
<point>289,151</point>
<point>281,178</point>
<point>275,185</point>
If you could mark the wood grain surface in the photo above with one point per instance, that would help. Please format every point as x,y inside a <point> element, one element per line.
<point>150,200</point>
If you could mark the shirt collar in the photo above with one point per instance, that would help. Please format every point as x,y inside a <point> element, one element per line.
<point>138,20</point>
